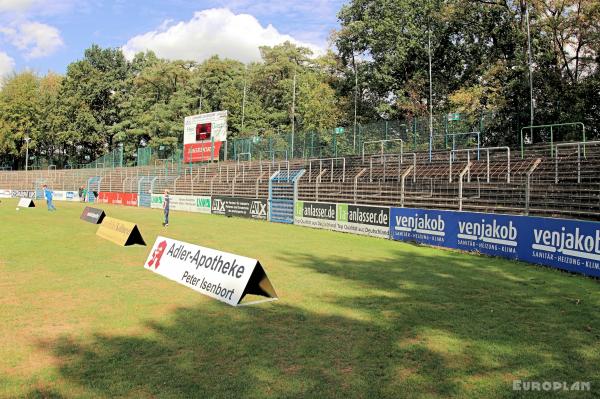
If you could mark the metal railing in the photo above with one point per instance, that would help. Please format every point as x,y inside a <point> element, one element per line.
<point>406,173</point>
<point>528,187</point>
<point>487,151</point>
<point>321,161</point>
<point>460,184</point>
<point>382,144</point>
<point>475,134</point>
<point>384,161</point>
<point>358,175</point>
<point>579,146</point>
<point>552,126</point>
<point>318,183</point>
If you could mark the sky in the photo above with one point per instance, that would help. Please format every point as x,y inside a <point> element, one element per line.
<point>46,35</point>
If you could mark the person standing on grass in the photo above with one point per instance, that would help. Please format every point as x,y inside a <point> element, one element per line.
<point>166,204</point>
<point>48,195</point>
<point>81,193</point>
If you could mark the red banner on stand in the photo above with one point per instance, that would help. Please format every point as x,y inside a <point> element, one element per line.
<point>128,199</point>
<point>200,152</point>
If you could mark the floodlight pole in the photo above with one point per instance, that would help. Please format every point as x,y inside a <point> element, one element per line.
<point>294,111</point>
<point>430,99</point>
<point>530,66</point>
<point>27,138</point>
<point>355,97</point>
<point>244,101</point>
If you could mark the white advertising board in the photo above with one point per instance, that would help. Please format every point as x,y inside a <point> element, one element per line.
<point>220,275</point>
<point>187,203</point>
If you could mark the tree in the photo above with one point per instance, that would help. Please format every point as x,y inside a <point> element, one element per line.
<point>19,117</point>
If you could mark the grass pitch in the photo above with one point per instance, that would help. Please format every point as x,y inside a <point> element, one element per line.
<point>358,317</point>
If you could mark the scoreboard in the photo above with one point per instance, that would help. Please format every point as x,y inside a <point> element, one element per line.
<point>203,132</point>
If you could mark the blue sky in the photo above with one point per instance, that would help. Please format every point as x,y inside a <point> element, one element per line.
<point>49,34</point>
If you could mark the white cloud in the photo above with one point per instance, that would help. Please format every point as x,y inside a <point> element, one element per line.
<point>16,5</point>
<point>39,7</point>
<point>34,38</point>
<point>7,65</point>
<point>214,31</point>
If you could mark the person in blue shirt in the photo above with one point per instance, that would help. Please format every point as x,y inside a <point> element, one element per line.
<point>166,204</point>
<point>48,194</point>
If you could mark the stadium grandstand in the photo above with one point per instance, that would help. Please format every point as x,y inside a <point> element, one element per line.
<point>386,163</point>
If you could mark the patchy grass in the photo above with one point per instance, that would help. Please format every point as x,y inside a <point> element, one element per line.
<point>358,317</point>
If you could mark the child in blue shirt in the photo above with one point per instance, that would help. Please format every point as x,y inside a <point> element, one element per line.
<point>48,194</point>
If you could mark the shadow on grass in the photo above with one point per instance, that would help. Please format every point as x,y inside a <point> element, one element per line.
<point>437,326</point>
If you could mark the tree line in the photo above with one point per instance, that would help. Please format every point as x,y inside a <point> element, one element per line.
<point>480,62</point>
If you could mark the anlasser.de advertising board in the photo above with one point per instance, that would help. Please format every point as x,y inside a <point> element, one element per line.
<point>357,219</point>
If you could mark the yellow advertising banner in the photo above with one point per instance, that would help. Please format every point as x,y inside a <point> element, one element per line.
<point>120,232</point>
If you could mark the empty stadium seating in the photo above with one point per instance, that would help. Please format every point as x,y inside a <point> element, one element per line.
<point>561,181</point>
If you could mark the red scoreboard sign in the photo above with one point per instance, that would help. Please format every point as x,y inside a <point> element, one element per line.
<point>200,152</point>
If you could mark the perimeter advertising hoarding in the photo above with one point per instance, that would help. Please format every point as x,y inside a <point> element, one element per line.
<point>315,214</point>
<point>128,199</point>
<point>348,218</point>
<point>363,219</point>
<point>66,196</point>
<point>22,193</point>
<point>187,203</point>
<point>571,245</point>
<point>240,207</point>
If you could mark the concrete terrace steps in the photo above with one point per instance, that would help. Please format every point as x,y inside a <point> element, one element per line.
<point>379,180</point>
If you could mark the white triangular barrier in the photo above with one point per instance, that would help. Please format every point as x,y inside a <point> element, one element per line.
<point>26,203</point>
<point>220,275</point>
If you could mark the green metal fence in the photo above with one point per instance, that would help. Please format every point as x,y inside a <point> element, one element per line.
<point>452,131</point>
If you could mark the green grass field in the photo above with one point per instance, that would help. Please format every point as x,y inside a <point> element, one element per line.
<point>358,317</point>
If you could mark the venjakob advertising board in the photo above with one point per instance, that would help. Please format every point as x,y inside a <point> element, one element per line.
<point>349,218</point>
<point>5,194</point>
<point>421,225</point>
<point>187,203</point>
<point>571,245</point>
<point>220,275</point>
<point>240,207</point>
